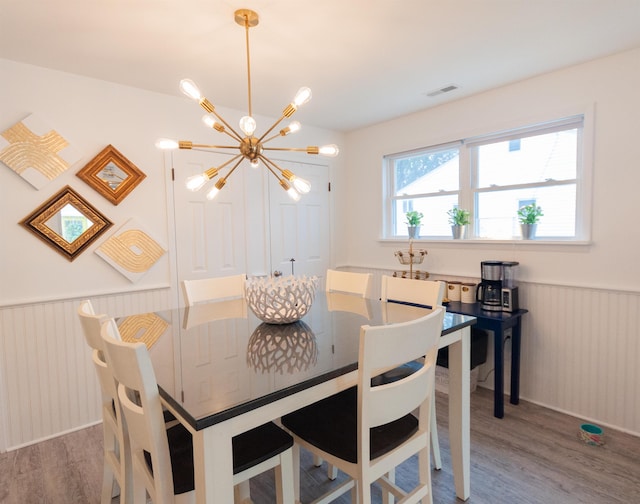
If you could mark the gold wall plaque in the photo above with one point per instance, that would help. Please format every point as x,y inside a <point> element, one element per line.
<point>35,151</point>
<point>67,223</point>
<point>131,250</point>
<point>111,174</point>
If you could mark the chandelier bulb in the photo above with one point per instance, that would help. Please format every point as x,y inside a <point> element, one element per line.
<point>302,96</point>
<point>329,150</point>
<point>294,126</point>
<point>189,88</point>
<point>166,144</point>
<point>213,192</point>
<point>293,194</point>
<point>301,185</point>
<point>254,163</point>
<point>210,122</point>
<point>196,182</point>
<point>248,125</point>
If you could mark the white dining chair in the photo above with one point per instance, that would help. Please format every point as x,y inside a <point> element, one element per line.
<point>116,477</point>
<point>428,293</point>
<point>346,281</point>
<point>368,430</point>
<point>210,289</point>
<point>421,292</point>
<point>162,459</point>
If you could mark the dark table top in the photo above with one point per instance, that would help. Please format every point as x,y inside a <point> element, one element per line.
<point>475,310</point>
<point>218,360</point>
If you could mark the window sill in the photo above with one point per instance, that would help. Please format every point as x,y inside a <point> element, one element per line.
<point>479,241</point>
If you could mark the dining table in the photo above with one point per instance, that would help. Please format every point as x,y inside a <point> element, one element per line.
<point>222,371</point>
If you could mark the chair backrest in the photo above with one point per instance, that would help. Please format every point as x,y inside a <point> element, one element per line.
<point>385,347</point>
<point>421,292</point>
<point>209,289</point>
<point>91,324</point>
<point>140,401</point>
<point>345,281</point>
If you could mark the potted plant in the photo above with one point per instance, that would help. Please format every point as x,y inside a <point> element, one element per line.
<point>458,218</point>
<point>529,215</point>
<point>414,220</point>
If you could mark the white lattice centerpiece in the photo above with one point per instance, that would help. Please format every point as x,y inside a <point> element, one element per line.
<point>281,300</point>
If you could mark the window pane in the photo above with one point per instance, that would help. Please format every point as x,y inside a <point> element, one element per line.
<point>435,221</point>
<point>534,159</point>
<point>498,218</point>
<point>427,173</point>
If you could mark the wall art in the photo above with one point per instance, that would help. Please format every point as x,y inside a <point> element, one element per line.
<point>131,250</point>
<point>35,151</point>
<point>111,174</point>
<point>67,222</point>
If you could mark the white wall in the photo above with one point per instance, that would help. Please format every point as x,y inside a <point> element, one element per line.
<point>609,86</point>
<point>36,279</point>
<point>580,348</point>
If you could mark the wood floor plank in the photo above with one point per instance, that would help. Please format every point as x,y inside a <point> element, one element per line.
<point>531,456</point>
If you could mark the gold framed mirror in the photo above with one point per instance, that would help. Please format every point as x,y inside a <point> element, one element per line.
<point>111,174</point>
<point>67,223</point>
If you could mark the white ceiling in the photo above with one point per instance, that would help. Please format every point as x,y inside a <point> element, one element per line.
<point>365,60</point>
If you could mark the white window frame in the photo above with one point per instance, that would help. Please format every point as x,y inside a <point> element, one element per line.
<point>468,177</point>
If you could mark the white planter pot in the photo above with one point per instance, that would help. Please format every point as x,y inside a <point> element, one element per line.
<point>528,231</point>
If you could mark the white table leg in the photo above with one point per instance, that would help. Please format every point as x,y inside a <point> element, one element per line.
<point>459,421</point>
<point>213,464</point>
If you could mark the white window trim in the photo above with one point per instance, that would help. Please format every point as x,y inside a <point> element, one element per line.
<point>584,175</point>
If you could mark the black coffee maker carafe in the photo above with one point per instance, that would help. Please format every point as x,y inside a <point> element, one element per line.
<point>489,291</point>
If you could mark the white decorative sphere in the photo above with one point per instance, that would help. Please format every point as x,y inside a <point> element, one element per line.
<point>281,300</point>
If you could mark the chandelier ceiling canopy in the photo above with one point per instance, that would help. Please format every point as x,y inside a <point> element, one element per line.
<point>249,146</point>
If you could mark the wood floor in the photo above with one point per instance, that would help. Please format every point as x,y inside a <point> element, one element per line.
<point>532,456</point>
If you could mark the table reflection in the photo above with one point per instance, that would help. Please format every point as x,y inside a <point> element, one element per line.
<point>287,348</point>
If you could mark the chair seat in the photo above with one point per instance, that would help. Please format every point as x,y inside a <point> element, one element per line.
<point>249,449</point>
<point>331,425</point>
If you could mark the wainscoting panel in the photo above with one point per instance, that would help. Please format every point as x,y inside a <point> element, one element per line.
<point>580,351</point>
<point>49,381</point>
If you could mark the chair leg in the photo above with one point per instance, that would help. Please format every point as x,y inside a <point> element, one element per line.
<point>435,444</point>
<point>285,493</point>
<point>242,493</point>
<point>296,471</point>
<point>388,497</point>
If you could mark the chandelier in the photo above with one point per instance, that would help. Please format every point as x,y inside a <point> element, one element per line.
<point>249,146</point>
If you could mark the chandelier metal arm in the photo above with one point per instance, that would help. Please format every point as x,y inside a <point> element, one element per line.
<point>189,145</point>
<point>270,130</point>
<point>234,166</point>
<point>235,135</point>
<point>211,172</point>
<point>268,163</point>
<point>311,149</point>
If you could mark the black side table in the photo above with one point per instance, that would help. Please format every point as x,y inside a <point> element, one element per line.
<point>498,322</point>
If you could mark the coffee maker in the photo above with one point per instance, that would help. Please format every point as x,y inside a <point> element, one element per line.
<point>497,290</point>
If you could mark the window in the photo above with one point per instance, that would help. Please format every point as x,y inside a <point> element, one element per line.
<point>492,176</point>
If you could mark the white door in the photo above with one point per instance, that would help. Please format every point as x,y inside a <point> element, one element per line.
<point>210,235</point>
<point>252,226</point>
<point>300,230</point>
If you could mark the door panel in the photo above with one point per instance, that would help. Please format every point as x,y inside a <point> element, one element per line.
<point>300,230</point>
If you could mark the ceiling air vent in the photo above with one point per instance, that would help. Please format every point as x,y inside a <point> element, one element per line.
<point>446,89</point>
